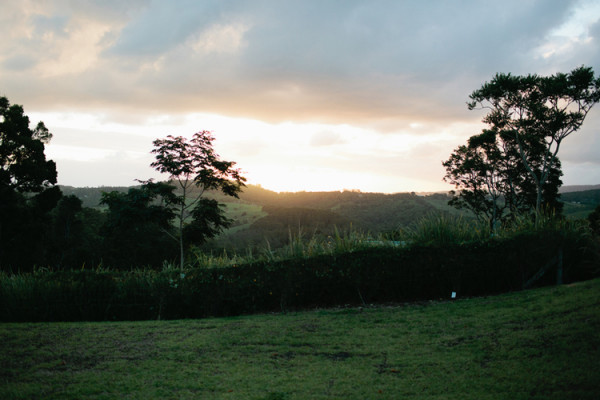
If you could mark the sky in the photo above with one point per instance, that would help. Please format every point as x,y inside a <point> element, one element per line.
<point>303,95</point>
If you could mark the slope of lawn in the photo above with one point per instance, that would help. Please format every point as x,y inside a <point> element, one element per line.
<point>538,344</point>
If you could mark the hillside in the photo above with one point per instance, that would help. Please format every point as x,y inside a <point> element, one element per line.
<point>580,204</point>
<point>262,215</point>
<point>577,188</point>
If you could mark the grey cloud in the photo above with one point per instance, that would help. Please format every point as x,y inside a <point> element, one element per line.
<point>584,145</point>
<point>334,61</point>
<point>353,58</point>
<point>163,25</point>
<point>394,38</point>
<point>54,25</point>
<point>19,62</point>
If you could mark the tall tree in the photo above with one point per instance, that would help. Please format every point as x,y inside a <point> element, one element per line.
<point>27,185</point>
<point>538,112</point>
<point>492,181</point>
<point>23,164</point>
<point>194,167</point>
<point>477,170</point>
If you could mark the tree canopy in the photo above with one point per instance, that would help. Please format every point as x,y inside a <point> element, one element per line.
<point>23,164</point>
<point>537,113</point>
<point>27,187</point>
<point>512,167</point>
<point>137,228</point>
<point>194,167</point>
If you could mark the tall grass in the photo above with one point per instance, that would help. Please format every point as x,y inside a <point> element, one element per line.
<point>432,230</point>
<point>547,223</point>
<point>444,229</point>
<point>300,246</point>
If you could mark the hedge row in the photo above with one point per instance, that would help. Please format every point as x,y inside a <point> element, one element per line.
<point>373,275</point>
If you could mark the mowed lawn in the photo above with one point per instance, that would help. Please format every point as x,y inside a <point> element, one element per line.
<point>537,344</point>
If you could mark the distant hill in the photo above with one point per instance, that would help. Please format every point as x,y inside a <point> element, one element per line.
<point>260,214</point>
<point>579,204</point>
<point>90,196</point>
<point>577,188</point>
<point>589,197</point>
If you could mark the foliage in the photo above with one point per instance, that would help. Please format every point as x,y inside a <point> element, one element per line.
<point>492,179</point>
<point>300,245</point>
<point>537,113</point>
<point>311,274</point>
<point>68,233</point>
<point>445,230</point>
<point>137,231</point>
<point>23,165</point>
<point>594,220</point>
<point>27,191</point>
<point>319,213</point>
<point>192,164</point>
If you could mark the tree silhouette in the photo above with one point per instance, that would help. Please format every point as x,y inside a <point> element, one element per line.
<point>492,180</point>
<point>538,113</point>
<point>136,229</point>
<point>27,185</point>
<point>194,167</point>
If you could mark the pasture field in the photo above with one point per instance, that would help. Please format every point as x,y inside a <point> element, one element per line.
<point>536,344</point>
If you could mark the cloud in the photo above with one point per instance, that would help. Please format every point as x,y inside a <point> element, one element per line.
<point>291,73</point>
<point>288,60</point>
<point>583,146</point>
<point>326,138</point>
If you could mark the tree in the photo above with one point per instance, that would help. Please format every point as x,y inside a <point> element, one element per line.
<point>23,164</point>
<point>538,113</point>
<point>492,180</point>
<point>27,186</point>
<point>594,220</point>
<point>195,168</point>
<point>137,228</point>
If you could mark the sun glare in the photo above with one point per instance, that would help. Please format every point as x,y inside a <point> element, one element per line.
<point>283,157</point>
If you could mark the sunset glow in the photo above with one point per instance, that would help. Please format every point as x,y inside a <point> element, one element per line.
<point>301,95</point>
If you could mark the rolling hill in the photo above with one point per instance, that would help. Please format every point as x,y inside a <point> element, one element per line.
<point>260,214</point>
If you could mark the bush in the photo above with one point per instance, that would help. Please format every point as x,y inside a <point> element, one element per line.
<point>444,230</point>
<point>426,269</point>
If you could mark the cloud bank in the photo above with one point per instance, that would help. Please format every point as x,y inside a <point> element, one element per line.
<point>387,68</point>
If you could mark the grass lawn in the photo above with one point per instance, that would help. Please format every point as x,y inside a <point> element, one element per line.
<point>537,344</point>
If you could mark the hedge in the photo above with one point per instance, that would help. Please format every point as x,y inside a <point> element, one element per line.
<point>366,276</point>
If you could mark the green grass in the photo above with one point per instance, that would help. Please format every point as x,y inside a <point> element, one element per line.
<point>538,344</point>
<point>243,215</point>
<point>574,210</point>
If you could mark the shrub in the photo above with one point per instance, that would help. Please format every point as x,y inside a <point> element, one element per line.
<point>431,267</point>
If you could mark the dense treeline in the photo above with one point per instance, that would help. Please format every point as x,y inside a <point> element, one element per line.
<point>91,197</point>
<point>70,236</point>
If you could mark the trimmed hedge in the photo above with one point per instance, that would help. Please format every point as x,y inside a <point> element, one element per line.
<point>371,275</point>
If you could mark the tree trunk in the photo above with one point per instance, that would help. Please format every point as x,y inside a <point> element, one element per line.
<point>181,216</point>
<point>538,202</point>
<point>181,255</point>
